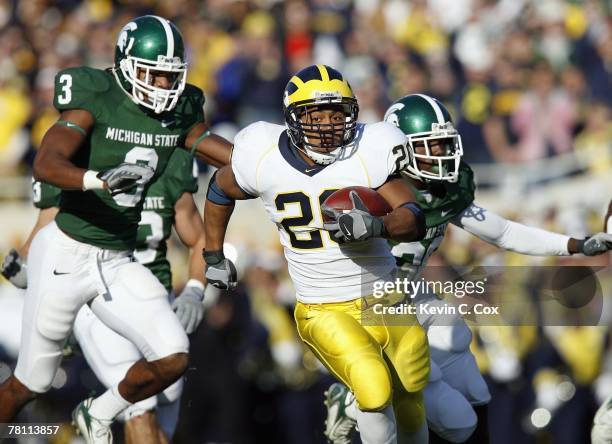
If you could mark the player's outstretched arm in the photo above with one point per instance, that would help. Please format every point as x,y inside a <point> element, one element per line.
<point>190,229</point>
<point>406,223</point>
<point>510,235</point>
<point>223,191</point>
<point>52,163</point>
<point>211,148</point>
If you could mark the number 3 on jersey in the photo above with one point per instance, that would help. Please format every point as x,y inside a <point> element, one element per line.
<point>298,225</point>
<point>66,96</point>
<point>139,155</point>
<point>155,221</point>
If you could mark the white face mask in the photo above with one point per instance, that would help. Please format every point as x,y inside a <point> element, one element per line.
<point>143,92</point>
<point>445,166</point>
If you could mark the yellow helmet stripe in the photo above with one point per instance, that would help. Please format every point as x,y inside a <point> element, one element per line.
<point>324,73</point>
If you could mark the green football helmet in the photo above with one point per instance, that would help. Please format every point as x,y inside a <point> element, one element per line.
<point>425,119</point>
<point>150,45</point>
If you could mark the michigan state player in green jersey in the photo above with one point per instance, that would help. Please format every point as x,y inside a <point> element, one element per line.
<point>456,395</point>
<point>168,202</point>
<point>116,133</point>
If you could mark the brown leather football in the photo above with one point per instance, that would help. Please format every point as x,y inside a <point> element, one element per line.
<point>340,200</point>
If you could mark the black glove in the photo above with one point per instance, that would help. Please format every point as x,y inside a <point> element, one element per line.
<point>220,272</point>
<point>357,224</point>
<point>14,269</point>
<point>125,177</point>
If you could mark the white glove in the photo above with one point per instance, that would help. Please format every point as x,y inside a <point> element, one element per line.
<point>188,306</point>
<point>597,244</point>
<point>14,269</point>
<point>125,177</point>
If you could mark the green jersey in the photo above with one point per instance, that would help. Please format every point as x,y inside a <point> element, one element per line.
<point>441,202</point>
<point>154,229</point>
<point>157,217</point>
<point>123,132</point>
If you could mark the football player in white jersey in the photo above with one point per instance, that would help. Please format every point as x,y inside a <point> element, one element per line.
<point>293,169</point>
<point>444,185</point>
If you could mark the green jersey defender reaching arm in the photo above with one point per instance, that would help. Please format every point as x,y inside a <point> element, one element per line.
<point>117,131</point>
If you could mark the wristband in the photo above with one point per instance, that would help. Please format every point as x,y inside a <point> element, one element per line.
<point>580,244</point>
<point>91,181</point>
<point>195,283</point>
<point>213,257</point>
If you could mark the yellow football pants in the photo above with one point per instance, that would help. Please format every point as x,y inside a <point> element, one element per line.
<point>379,363</point>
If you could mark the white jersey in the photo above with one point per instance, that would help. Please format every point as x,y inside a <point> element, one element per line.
<point>266,165</point>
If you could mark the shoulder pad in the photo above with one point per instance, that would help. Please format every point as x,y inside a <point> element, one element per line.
<point>79,88</point>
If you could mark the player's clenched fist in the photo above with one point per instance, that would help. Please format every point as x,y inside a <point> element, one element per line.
<point>220,272</point>
<point>125,177</point>
<point>14,269</point>
<point>597,244</point>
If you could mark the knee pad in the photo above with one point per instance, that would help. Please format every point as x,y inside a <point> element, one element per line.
<point>449,414</point>
<point>138,409</point>
<point>171,393</point>
<point>39,374</point>
<point>370,381</point>
<point>462,373</point>
<point>409,411</point>
<point>412,360</point>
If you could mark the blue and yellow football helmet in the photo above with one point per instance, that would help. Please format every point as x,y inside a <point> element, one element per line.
<point>312,88</point>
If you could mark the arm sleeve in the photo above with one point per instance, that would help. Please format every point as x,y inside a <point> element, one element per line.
<point>510,235</point>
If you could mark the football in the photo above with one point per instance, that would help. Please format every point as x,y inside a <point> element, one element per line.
<point>340,200</point>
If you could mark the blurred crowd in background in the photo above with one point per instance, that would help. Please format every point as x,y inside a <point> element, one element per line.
<point>529,83</point>
<point>525,79</point>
